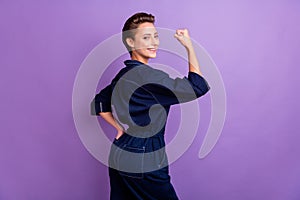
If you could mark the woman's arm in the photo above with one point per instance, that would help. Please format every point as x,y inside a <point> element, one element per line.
<point>107,116</point>
<point>183,37</point>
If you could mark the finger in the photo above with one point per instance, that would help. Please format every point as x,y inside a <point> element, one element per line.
<point>186,32</point>
<point>182,32</point>
<point>179,32</point>
<point>178,37</point>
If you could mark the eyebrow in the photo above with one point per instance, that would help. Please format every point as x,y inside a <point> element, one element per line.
<point>156,33</point>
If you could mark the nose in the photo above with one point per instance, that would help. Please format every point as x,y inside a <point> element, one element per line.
<point>154,41</point>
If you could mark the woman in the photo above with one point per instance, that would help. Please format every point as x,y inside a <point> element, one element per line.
<point>141,97</point>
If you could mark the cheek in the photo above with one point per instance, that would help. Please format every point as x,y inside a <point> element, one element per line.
<point>137,45</point>
<point>143,44</point>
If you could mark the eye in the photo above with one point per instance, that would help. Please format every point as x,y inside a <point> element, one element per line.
<point>156,36</point>
<point>146,37</point>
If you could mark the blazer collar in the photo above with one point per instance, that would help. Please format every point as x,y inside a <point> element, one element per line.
<point>133,63</point>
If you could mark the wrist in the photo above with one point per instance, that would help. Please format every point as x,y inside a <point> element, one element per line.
<point>189,48</point>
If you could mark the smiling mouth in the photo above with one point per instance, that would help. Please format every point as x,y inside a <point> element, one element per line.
<point>152,50</point>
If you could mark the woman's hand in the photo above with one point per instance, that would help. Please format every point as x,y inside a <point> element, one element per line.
<point>120,130</point>
<point>107,116</point>
<point>119,134</point>
<point>182,35</point>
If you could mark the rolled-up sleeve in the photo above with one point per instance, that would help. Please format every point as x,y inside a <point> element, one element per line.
<point>198,83</point>
<point>102,101</point>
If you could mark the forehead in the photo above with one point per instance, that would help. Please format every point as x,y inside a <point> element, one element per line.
<point>146,27</point>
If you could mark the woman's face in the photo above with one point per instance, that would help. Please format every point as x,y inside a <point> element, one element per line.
<point>145,42</point>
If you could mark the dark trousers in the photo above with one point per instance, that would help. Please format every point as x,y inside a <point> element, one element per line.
<point>147,188</point>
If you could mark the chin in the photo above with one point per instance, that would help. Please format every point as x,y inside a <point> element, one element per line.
<point>152,56</point>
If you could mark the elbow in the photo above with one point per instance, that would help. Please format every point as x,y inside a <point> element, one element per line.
<point>93,109</point>
<point>101,114</point>
<point>201,91</point>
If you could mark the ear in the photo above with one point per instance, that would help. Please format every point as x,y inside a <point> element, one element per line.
<point>130,42</point>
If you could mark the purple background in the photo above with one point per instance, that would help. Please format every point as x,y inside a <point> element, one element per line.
<point>255,44</point>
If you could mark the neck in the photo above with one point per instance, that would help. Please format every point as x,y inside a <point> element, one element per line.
<point>139,58</point>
